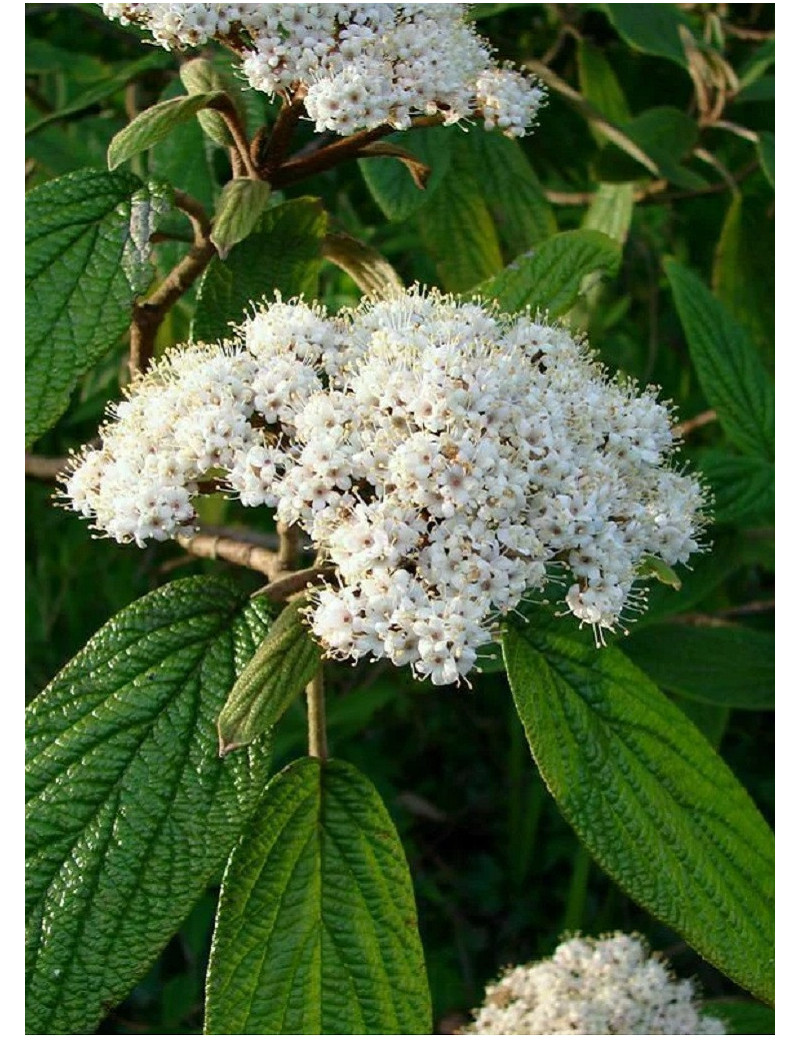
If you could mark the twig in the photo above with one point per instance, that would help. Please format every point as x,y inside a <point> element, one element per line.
<point>682,429</point>
<point>148,315</point>
<point>284,586</point>
<point>277,147</point>
<point>317,737</point>
<point>213,547</point>
<point>42,468</point>
<point>722,618</point>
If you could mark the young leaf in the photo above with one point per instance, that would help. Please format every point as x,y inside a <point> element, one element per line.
<point>653,567</point>
<point>239,209</point>
<point>85,262</point>
<point>130,812</point>
<point>156,123</point>
<point>279,670</point>
<point>284,253</point>
<point>730,371</point>
<point>550,276</point>
<point>652,28</point>
<point>316,931</point>
<point>389,181</point>
<point>657,808</point>
<point>731,666</point>
<point>200,76</point>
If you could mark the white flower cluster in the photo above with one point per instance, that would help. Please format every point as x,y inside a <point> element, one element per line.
<point>358,65</point>
<point>594,987</point>
<point>440,455</point>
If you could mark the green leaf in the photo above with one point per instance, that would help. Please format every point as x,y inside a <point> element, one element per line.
<point>316,931</point>
<point>389,181</point>
<point>286,661</point>
<point>730,371</point>
<point>657,808</point>
<point>372,273</point>
<point>185,159</point>
<point>666,135</point>
<point>742,487</point>
<point>707,573</point>
<point>284,254</point>
<point>742,1017</point>
<point>766,155</point>
<point>743,276</point>
<point>761,90</point>
<point>109,85</point>
<point>600,86</point>
<point>651,28</point>
<point>85,262</point>
<point>521,213</point>
<point>551,277</point>
<point>239,209</point>
<point>653,567</point>
<point>130,812</point>
<point>757,64</point>
<point>156,123</point>
<point>200,76</point>
<point>457,229</point>
<point>731,665</point>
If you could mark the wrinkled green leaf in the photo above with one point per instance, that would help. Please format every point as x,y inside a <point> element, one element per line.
<point>521,213</point>
<point>730,371</point>
<point>551,276</point>
<point>389,181</point>
<point>730,665</point>
<point>657,808</point>
<point>284,253</point>
<point>743,276</point>
<point>130,812</point>
<point>651,28</point>
<point>457,229</point>
<point>742,487</point>
<point>156,123</point>
<point>316,931</point>
<point>239,209</point>
<point>611,211</point>
<point>284,663</point>
<point>86,259</point>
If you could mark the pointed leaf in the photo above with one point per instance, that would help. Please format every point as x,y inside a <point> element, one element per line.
<point>766,155</point>
<point>156,123</point>
<point>200,76</point>
<point>239,209</point>
<point>731,665</point>
<point>130,812</point>
<point>666,136</point>
<point>652,28</point>
<point>284,253</point>
<point>389,181</point>
<point>86,260</point>
<point>730,371</point>
<point>653,567</point>
<point>316,931</point>
<point>600,86</point>
<point>655,805</point>
<point>286,661</point>
<point>550,277</point>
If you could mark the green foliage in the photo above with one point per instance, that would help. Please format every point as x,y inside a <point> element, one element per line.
<point>156,123</point>
<point>130,812</point>
<point>743,1018</point>
<point>730,371</point>
<point>652,28</point>
<point>648,796</point>
<point>389,181</point>
<point>277,672</point>
<point>550,277</point>
<point>239,210</point>
<point>317,931</point>
<point>83,269</point>
<point>284,253</point>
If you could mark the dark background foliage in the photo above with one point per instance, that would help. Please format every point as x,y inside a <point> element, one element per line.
<point>499,875</point>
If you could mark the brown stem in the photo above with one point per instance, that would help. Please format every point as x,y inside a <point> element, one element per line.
<point>234,124</point>
<point>285,585</point>
<point>212,547</point>
<point>148,315</point>
<point>277,147</point>
<point>297,169</point>
<point>317,736</point>
<point>288,546</point>
<point>41,468</point>
<point>702,419</point>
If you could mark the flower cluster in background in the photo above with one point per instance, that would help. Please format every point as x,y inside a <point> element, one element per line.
<point>601,987</point>
<point>446,459</point>
<point>358,66</point>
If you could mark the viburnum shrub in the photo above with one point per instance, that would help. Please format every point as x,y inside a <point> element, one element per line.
<point>447,480</point>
